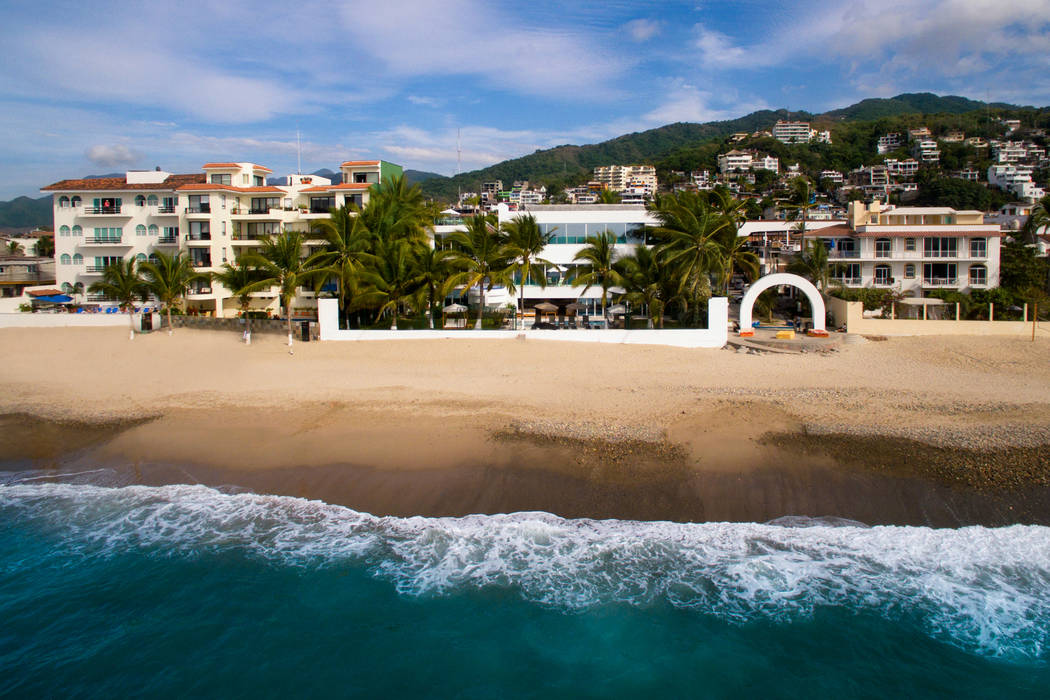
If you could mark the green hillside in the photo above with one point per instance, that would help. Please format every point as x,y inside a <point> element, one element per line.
<point>25,212</point>
<point>687,146</point>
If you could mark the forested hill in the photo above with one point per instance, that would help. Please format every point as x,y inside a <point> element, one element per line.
<point>687,146</point>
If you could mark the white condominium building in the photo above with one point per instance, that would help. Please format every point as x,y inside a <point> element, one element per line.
<point>793,132</point>
<point>212,217</point>
<point>619,178</point>
<point>914,249</point>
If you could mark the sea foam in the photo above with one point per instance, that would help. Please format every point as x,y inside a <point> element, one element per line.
<point>986,590</point>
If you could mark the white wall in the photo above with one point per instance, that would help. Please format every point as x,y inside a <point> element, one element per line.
<point>40,320</point>
<point>715,336</point>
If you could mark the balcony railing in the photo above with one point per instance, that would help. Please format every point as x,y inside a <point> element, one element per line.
<point>95,269</point>
<point>198,236</point>
<point>238,236</point>
<point>166,209</point>
<point>104,240</point>
<point>847,280</point>
<point>24,276</point>
<point>940,254</point>
<point>99,297</point>
<point>168,240</point>
<point>840,254</point>
<point>102,210</point>
<point>203,262</point>
<point>201,290</point>
<point>259,210</point>
<point>940,281</point>
<point>200,209</point>
<point>883,253</point>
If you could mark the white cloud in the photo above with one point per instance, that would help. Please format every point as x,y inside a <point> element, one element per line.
<point>116,155</point>
<point>424,101</point>
<point>642,29</point>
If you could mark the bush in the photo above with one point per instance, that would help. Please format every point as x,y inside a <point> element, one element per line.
<point>872,298</point>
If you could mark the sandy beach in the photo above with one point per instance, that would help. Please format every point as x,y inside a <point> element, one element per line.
<point>906,430</point>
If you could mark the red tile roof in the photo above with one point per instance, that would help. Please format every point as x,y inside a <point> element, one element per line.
<point>212,187</point>
<point>215,166</point>
<point>359,162</point>
<point>120,183</point>
<point>341,186</point>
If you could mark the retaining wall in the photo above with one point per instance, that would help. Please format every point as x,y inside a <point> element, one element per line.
<point>852,314</point>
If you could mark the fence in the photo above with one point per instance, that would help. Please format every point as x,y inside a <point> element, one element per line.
<point>259,325</point>
<point>851,313</point>
<point>714,336</point>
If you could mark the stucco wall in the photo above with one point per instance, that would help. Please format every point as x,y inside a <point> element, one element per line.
<point>851,313</point>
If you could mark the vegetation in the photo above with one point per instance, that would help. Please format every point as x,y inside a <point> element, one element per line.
<point>482,257</point>
<point>239,278</point>
<point>599,268</point>
<point>44,247</point>
<point>123,283</point>
<point>168,278</point>
<point>525,242</point>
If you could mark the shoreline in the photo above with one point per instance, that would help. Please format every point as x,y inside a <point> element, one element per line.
<point>941,431</point>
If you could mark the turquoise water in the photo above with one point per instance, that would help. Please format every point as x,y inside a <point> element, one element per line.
<point>191,591</point>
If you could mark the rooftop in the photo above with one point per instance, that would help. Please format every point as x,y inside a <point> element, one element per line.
<point>121,184</point>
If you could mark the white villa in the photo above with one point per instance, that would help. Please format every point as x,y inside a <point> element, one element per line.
<point>212,216</point>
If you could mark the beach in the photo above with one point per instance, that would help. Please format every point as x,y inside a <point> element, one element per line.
<point>935,431</point>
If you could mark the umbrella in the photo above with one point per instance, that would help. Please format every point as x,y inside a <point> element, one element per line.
<point>545,307</point>
<point>573,308</point>
<point>454,309</point>
<point>618,309</point>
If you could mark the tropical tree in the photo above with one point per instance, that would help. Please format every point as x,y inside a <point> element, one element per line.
<point>76,289</point>
<point>349,242</point>
<point>281,264</point>
<point>392,276</point>
<point>482,256</point>
<point>44,247</point>
<point>433,270</point>
<point>168,277</point>
<point>690,229</point>
<point>525,243</point>
<point>396,210</point>
<point>801,201</point>
<point>14,248</point>
<point>122,282</point>
<point>609,197</point>
<point>814,265</point>
<point>735,255</point>
<point>599,265</point>
<point>646,283</point>
<point>1038,219</point>
<point>238,277</point>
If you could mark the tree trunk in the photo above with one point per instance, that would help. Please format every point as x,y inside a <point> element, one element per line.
<point>521,306</point>
<point>131,322</point>
<point>481,307</point>
<point>288,311</point>
<point>170,329</point>
<point>248,321</point>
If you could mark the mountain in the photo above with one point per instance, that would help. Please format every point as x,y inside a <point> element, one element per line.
<point>414,176</point>
<point>570,163</point>
<point>26,212</point>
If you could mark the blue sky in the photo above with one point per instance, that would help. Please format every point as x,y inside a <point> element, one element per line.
<point>108,86</point>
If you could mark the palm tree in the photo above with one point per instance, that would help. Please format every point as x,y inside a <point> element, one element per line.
<point>434,270</point>
<point>645,281</point>
<point>690,229</point>
<point>281,264</point>
<point>483,258</point>
<point>735,255</point>
<point>609,197</point>
<point>599,258</point>
<point>238,279</point>
<point>122,282</point>
<point>396,210</point>
<point>1038,219</point>
<point>44,247</point>
<point>801,201</point>
<point>349,241</point>
<point>525,242</point>
<point>14,248</point>
<point>76,289</point>
<point>392,276</point>
<point>813,265</point>
<point>168,277</point>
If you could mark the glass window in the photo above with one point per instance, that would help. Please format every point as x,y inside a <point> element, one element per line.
<point>978,275</point>
<point>258,180</point>
<point>940,247</point>
<point>883,247</point>
<point>575,233</point>
<point>978,248</point>
<point>75,202</point>
<point>217,179</point>
<point>882,274</point>
<point>78,259</point>
<point>67,288</point>
<point>140,200</point>
<point>141,257</point>
<point>909,271</point>
<point>77,231</point>
<point>65,259</point>
<point>140,230</point>
<point>198,204</point>
<point>152,200</point>
<point>263,205</point>
<point>63,202</point>
<point>635,233</point>
<point>909,245</point>
<point>63,230</point>
<point>153,230</point>
<point>322,205</point>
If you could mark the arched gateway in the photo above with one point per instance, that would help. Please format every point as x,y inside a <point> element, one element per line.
<point>775,280</point>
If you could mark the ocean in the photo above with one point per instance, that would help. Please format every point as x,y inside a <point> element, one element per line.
<point>192,591</point>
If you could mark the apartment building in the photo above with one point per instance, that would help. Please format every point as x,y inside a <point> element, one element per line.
<point>1016,179</point>
<point>212,217</point>
<point>926,150</point>
<point>735,161</point>
<point>914,250</point>
<point>889,142</point>
<point>902,168</point>
<point>619,178</point>
<point>792,132</point>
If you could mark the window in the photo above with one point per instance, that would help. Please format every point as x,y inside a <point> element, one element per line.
<point>77,231</point>
<point>224,228</point>
<point>217,179</point>
<point>153,230</point>
<point>200,231</point>
<point>851,273</point>
<point>171,233</point>
<point>65,259</point>
<point>909,245</point>
<point>939,274</point>
<point>909,271</point>
<point>198,204</point>
<point>258,181</point>
<point>167,206</point>
<point>140,230</point>
<point>978,248</point>
<point>108,235</point>
<point>978,275</point>
<point>354,199</point>
<point>140,200</point>
<point>63,202</point>
<point>78,259</point>
<point>141,257</point>
<point>63,230</point>
<point>940,247</point>
<point>67,288</point>
<point>106,205</point>
<point>152,200</point>
<point>263,205</point>
<point>883,274</point>
<point>883,247</point>
<point>261,229</point>
<point>244,178</point>
<point>75,202</point>
<point>322,205</point>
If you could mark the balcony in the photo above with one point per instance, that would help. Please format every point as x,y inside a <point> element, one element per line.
<point>884,281</point>
<point>843,254</point>
<point>99,297</point>
<point>201,262</point>
<point>105,240</point>
<point>95,269</point>
<point>199,209</point>
<point>199,290</point>
<point>847,281</point>
<point>940,282</point>
<point>166,209</point>
<point>168,240</point>
<point>102,211</point>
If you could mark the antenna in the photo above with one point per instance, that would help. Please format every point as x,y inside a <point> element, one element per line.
<point>459,151</point>
<point>298,151</point>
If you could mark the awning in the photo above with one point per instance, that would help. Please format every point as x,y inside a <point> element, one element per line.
<point>922,301</point>
<point>545,306</point>
<point>55,299</point>
<point>454,309</point>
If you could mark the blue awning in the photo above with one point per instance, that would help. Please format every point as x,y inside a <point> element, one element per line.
<point>55,299</point>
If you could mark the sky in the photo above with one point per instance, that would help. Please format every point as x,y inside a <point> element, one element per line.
<point>100,87</point>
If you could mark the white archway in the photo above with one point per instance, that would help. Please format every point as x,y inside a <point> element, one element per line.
<point>775,280</point>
